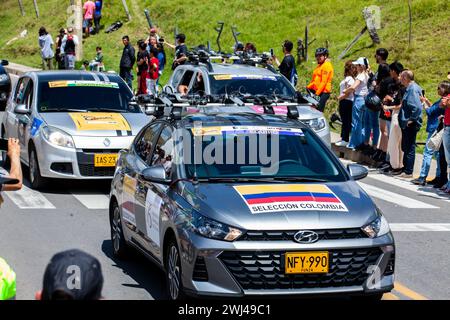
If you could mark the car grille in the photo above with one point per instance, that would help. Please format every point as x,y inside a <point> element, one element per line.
<point>330,234</point>
<point>265,269</point>
<point>88,170</point>
<point>100,150</point>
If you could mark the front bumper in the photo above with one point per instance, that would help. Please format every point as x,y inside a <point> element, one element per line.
<point>78,163</point>
<point>256,268</point>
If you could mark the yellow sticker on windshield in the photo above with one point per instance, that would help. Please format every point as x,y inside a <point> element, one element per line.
<point>99,121</point>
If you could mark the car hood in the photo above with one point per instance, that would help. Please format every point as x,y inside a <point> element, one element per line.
<point>226,203</point>
<point>96,124</point>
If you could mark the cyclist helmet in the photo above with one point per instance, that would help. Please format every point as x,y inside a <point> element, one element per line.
<point>322,51</point>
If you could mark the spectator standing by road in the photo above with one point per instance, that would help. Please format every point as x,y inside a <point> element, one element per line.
<point>88,16</point>
<point>434,113</point>
<point>161,58</point>
<point>127,61</point>
<point>360,90</point>
<point>346,103</point>
<point>98,15</point>
<point>68,48</point>
<point>59,56</point>
<point>287,66</point>
<point>445,103</point>
<point>410,119</point>
<point>153,70</point>
<point>392,104</point>
<point>322,76</point>
<point>142,61</point>
<point>180,50</point>
<point>46,45</point>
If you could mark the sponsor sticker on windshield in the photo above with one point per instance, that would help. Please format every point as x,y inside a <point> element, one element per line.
<point>76,83</point>
<point>99,121</point>
<point>244,130</point>
<point>290,197</point>
<point>220,77</point>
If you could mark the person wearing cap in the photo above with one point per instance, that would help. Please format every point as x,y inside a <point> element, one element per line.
<point>360,91</point>
<point>72,275</point>
<point>7,281</point>
<point>322,76</point>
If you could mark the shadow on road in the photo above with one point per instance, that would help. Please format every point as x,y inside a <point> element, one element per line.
<point>147,276</point>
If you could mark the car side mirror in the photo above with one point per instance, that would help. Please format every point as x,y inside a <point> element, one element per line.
<point>5,62</point>
<point>357,172</point>
<point>156,174</point>
<point>21,109</point>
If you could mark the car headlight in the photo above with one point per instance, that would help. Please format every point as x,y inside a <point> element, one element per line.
<point>378,227</point>
<point>57,137</point>
<point>316,124</point>
<point>212,229</point>
<point>3,77</point>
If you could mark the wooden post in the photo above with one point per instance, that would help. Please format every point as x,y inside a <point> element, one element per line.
<point>410,22</point>
<point>124,2</point>
<point>36,8</point>
<point>79,29</point>
<point>21,8</point>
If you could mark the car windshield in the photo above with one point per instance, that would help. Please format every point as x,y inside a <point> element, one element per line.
<point>68,95</point>
<point>258,152</point>
<point>254,85</point>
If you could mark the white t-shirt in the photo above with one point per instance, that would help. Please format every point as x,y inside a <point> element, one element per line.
<point>345,84</point>
<point>361,89</point>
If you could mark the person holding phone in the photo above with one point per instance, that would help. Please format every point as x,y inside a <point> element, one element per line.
<point>287,66</point>
<point>12,181</point>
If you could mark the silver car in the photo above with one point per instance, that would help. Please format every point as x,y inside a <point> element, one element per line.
<point>71,124</point>
<point>233,228</point>
<point>222,78</point>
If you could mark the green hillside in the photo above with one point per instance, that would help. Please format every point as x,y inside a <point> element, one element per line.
<point>266,23</point>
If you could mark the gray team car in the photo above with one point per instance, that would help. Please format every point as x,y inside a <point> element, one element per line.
<point>291,222</point>
<point>71,124</point>
<point>222,78</point>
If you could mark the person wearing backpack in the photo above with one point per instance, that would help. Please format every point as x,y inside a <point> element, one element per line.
<point>287,66</point>
<point>68,47</point>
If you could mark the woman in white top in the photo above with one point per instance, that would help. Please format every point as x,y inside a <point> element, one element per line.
<point>346,103</point>
<point>360,90</point>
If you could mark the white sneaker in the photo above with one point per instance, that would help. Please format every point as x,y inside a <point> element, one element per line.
<point>341,143</point>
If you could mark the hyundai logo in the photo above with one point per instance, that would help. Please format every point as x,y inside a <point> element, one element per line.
<point>306,236</point>
<point>107,142</point>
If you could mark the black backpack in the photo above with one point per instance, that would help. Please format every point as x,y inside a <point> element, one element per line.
<point>70,45</point>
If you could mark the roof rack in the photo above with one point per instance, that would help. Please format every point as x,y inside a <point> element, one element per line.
<point>171,106</point>
<point>203,55</point>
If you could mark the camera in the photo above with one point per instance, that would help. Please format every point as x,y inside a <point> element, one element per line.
<point>161,40</point>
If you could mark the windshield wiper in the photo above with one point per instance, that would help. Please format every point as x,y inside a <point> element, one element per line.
<point>237,179</point>
<point>107,110</point>
<point>300,179</point>
<point>63,110</point>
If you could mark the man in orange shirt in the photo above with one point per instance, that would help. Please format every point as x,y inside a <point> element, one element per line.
<point>321,79</point>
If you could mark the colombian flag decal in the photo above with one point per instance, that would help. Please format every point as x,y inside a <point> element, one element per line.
<point>290,197</point>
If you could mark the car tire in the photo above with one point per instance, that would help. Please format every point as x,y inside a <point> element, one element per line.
<point>120,247</point>
<point>172,264</point>
<point>36,180</point>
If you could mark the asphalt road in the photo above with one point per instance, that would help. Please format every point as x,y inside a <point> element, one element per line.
<point>36,225</point>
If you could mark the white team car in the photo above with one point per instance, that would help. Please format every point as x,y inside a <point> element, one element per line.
<point>71,124</point>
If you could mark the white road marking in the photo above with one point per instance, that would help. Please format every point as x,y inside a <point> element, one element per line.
<point>427,191</point>
<point>395,198</point>
<point>27,198</point>
<point>93,201</point>
<point>420,227</point>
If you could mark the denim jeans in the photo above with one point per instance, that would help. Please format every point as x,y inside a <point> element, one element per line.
<point>372,124</point>
<point>446,142</point>
<point>357,137</point>
<point>427,156</point>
